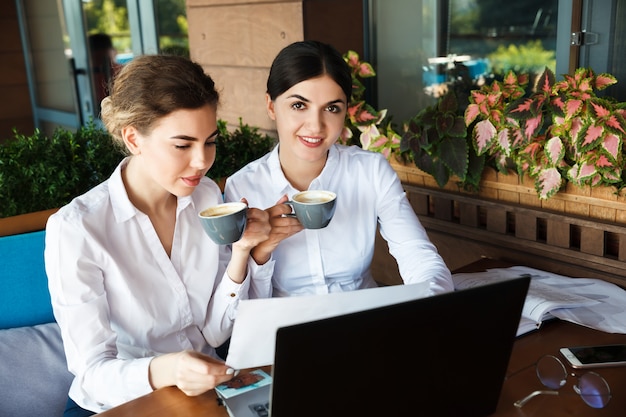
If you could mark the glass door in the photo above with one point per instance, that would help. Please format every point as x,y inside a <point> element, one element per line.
<point>74,47</point>
<point>101,36</point>
<point>112,32</point>
<point>48,71</point>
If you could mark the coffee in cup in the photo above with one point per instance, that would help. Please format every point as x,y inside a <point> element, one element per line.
<point>313,208</point>
<point>224,223</point>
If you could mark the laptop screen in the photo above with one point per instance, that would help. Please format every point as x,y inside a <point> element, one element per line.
<point>440,356</point>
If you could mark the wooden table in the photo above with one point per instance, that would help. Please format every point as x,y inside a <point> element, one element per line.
<point>521,381</point>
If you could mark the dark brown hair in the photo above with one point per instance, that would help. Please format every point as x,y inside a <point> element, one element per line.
<point>304,60</point>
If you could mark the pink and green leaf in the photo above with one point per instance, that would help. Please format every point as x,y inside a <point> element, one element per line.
<point>521,108</point>
<point>554,150</point>
<point>613,145</point>
<point>572,107</point>
<point>503,142</point>
<point>600,110</point>
<point>604,80</point>
<point>352,58</point>
<point>586,170</point>
<point>367,114</point>
<point>548,182</point>
<point>471,112</point>
<point>366,70</point>
<point>603,162</point>
<point>533,125</point>
<point>545,81</point>
<point>615,123</point>
<point>484,134</point>
<point>532,149</point>
<point>592,133</point>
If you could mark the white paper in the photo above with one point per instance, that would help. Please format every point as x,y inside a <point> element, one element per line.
<point>254,335</point>
<point>541,299</point>
<point>608,314</point>
<point>589,302</point>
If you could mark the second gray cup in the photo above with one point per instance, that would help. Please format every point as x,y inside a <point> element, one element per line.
<point>313,208</point>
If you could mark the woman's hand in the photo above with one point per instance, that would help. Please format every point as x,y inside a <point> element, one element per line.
<point>192,372</point>
<point>257,230</point>
<point>282,227</point>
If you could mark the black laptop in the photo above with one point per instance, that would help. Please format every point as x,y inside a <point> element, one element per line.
<point>441,356</point>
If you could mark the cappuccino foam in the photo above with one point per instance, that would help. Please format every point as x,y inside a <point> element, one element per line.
<point>313,197</point>
<point>220,211</point>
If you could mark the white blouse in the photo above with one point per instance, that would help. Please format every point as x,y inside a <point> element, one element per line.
<point>120,299</point>
<point>338,257</point>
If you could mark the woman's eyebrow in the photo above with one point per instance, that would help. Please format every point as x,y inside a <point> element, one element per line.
<point>299,97</point>
<point>192,139</point>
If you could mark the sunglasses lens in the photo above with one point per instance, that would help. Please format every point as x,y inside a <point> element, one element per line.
<point>551,372</point>
<point>594,390</point>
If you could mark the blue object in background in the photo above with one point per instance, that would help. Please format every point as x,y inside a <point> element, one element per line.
<point>124,58</point>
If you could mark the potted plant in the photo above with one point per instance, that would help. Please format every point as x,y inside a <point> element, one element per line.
<point>372,127</point>
<point>437,141</point>
<point>561,131</point>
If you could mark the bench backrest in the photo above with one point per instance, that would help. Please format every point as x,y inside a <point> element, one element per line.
<point>24,296</point>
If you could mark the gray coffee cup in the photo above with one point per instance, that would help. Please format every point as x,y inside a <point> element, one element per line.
<point>313,208</point>
<point>224,223</point>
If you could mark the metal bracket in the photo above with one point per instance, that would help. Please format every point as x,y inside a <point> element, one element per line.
<point>583,38</point>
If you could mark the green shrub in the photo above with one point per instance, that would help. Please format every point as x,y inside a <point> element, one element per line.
<point>527,58</point>
<point>235,149</point>
<point>39,173</point>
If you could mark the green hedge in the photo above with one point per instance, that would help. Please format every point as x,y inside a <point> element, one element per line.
<point>39,173</point>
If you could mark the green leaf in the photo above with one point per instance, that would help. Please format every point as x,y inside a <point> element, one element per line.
<point>440,173</point>
<point>454,154</point>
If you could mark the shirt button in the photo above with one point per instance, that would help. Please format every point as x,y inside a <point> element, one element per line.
<point>233,295</point>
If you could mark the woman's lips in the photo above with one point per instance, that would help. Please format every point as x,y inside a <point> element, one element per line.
<point>192,181</point>
<point>310,141</point>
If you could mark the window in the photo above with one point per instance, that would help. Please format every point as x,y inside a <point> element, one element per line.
<point>418,46</point>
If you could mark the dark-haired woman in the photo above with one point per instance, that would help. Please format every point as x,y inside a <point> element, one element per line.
<point>308,91</point>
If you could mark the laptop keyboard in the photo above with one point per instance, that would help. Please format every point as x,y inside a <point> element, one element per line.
<point>260,409</point>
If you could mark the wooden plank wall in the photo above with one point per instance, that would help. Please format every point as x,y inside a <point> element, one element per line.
<point>15,106</point>
<point>236,41</point>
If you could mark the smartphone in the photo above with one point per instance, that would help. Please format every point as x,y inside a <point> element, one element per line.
<point>595,356</point>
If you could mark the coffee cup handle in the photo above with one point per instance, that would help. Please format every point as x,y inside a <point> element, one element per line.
<point>293,213</point>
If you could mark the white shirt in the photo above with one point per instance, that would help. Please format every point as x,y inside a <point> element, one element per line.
<point>338,257</point>
<point>120,300</point>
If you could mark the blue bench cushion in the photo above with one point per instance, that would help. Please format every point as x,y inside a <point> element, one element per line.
<point>24,296</point>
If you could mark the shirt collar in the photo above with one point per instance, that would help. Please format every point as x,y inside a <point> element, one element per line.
<point>123,209</point>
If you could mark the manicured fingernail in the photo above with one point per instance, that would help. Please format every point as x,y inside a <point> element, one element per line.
<point>230,371</point>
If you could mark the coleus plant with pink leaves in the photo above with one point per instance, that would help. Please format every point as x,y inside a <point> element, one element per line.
<point>561,131</point>
<point>371,126</point>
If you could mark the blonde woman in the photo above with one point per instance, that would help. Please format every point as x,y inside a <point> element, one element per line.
<point>141,294</point>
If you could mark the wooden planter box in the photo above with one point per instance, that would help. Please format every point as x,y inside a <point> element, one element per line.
<point>577,232</point>
<point>596,203</point>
